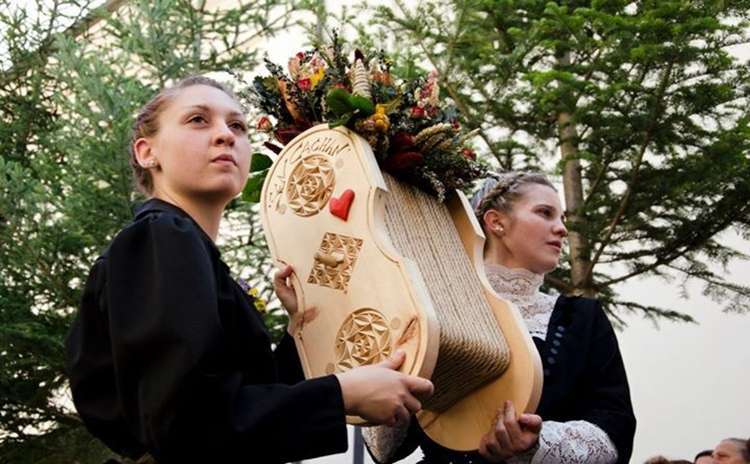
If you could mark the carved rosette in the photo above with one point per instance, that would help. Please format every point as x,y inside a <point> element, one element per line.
<point>310,185</point>
<point>364,338</point>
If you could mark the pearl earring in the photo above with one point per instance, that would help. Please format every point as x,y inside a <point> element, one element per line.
<point>150,164</point>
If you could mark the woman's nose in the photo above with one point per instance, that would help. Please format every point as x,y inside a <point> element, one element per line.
<point>560,229</point>
<point>224,135</point>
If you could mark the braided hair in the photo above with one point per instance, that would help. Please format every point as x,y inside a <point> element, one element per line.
<point>502,190</point>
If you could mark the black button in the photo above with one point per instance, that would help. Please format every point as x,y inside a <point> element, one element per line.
<point>556,342</point>
<point>553,350</point>
<point>560,328</point>
<point>551,360</point>
<point>558,334</point>
<point>546,372</point>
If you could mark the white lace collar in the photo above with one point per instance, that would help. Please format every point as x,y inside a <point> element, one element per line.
<point>521,287</point>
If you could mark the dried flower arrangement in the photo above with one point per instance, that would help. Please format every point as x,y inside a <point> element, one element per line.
<point>415,136</point>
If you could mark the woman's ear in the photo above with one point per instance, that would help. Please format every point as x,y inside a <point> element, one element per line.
<point>144,153</point>
<point>495,221</point>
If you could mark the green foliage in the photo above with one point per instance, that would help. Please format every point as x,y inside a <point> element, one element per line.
<point>639,106</point>
<point>70,83</point>
<point>414,135</point>
<point>259,165</point>
<point>342,103</point>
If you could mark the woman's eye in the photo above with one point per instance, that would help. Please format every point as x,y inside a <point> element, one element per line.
<point>238,126</point>
<point>197,119</point>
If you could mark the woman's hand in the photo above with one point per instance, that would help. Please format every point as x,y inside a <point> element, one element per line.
<point>511,435</point>
<point>284,291</point>
<point>380,394</point>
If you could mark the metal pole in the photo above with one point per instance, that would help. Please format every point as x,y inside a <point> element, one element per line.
<point>359,447</point>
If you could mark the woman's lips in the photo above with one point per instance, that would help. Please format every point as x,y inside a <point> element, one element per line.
<point>224,159</point>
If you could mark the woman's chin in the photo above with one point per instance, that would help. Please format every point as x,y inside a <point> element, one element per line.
<point>547,266</point>
<point>222,193</point>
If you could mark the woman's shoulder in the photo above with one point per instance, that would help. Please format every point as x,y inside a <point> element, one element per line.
<point>159,217</point>
<point>579,303</point>
<point>581,310</point>
<point>160,226</point>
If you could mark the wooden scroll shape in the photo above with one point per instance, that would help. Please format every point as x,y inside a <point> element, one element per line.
<point>368,299</point>
<point>462,426</point>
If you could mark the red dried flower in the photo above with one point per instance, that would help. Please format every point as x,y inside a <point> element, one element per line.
<point>286,134</point>
<point>305,84</point>
<point>402,141</point>
<point>469,154</point>
<point>403,161</point>
<point>264,124</point>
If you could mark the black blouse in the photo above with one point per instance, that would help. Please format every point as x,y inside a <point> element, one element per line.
<point>584,379</point>
<point>167,355</point>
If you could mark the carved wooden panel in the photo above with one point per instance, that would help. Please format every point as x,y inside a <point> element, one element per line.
<point>310,185</point>
<point>364,338</point>
<point>334,261</point>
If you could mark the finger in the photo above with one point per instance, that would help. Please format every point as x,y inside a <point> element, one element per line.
<point>531,422</point>
<point>483,446</point>
<point>494,449</point>
<point>501,435</point>
<point>394,361</point>
<point>419,386</point>
<point>511,425</point>
<point>279,278</point>
<point>412,404</point>
<point>486,449</point>
<point>287,271</point>
<point>402,415</point>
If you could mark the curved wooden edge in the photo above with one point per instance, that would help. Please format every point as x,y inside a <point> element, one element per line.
<point>462,426</point>
<point>423,362</point>
<point>430,338</point>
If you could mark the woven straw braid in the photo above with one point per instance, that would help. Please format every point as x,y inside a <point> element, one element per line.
<point>473,350</point>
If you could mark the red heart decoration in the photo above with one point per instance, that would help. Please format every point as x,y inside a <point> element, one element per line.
<point>339,207</point>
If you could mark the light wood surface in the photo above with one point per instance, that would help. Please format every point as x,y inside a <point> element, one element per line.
<point>375,302</point>
<point>362,299</point>
<point>461,426</point>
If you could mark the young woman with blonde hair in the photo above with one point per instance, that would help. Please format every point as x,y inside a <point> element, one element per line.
<point>585,414</point>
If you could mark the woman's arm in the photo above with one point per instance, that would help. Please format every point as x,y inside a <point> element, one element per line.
<point>603,423</point>
<point>574,442</point>
<point>606,402</point>
<point>175,377</point>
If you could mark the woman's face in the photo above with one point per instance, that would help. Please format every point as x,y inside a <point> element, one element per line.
<point>531,236</point>
<point>202,148</point>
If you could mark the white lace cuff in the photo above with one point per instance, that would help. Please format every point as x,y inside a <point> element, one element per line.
<point>574,442</point>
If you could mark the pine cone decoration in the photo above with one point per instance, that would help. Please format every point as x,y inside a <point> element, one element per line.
<point>361,80</point>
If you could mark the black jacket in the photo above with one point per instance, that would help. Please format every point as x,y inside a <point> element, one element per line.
<point>167,355</point>
<point>584,379</point>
